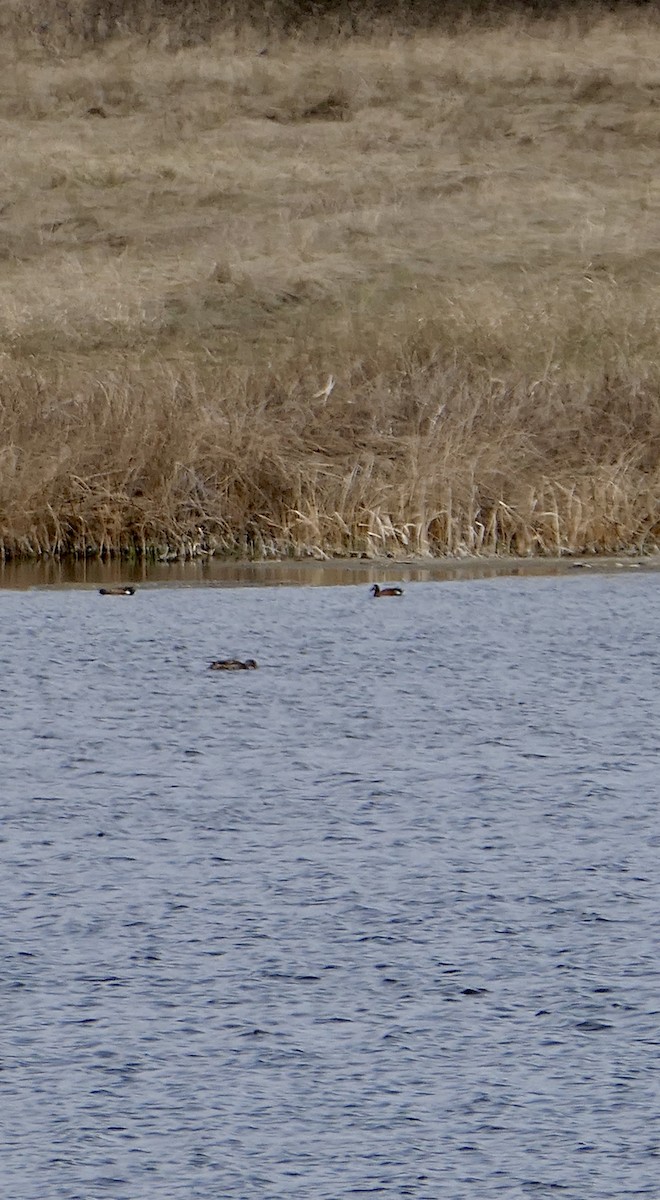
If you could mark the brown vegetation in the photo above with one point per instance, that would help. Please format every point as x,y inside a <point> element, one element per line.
<point>391,293</point>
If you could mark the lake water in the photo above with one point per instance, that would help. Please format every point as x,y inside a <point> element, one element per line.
<point>380,918</point>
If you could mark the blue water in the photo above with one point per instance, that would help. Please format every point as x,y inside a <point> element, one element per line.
<point>378,919</point>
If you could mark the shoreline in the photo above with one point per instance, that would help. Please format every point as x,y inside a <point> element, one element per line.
<point>27,575</point>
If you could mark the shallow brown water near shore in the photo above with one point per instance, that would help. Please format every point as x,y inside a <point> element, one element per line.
<point>337,572</point>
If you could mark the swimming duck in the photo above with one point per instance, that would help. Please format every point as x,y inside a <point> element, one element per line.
<point>117,591</point>
<point>233,664</point>
<point>377,591</point>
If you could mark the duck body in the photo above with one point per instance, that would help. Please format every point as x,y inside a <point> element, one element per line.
<point>117,591</point>
<point>377,592</point>
<point>233,664</point>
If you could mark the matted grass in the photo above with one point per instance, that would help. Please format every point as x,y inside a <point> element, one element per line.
<point>383,294</point>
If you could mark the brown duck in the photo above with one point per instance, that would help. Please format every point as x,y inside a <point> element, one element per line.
<point>377,591</point>
<point>233,664</point>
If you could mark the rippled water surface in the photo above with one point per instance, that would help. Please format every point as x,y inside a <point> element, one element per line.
<point>380,918</point>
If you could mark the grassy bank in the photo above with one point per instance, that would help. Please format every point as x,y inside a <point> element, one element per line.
<point>394,293</point>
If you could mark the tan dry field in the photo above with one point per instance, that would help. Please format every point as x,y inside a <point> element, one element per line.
<point>460,231</point>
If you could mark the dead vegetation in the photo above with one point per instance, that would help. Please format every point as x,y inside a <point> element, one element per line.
<point>384,294</point>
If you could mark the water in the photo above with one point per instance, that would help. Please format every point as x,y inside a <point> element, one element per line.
<point>380,918</point>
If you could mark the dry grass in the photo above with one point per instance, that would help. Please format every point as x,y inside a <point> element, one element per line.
<point>460,227</point>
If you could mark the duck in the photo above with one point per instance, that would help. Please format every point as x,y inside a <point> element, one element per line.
<point>233,664</point>
<point>377,591</point>
<point>117,591</point>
